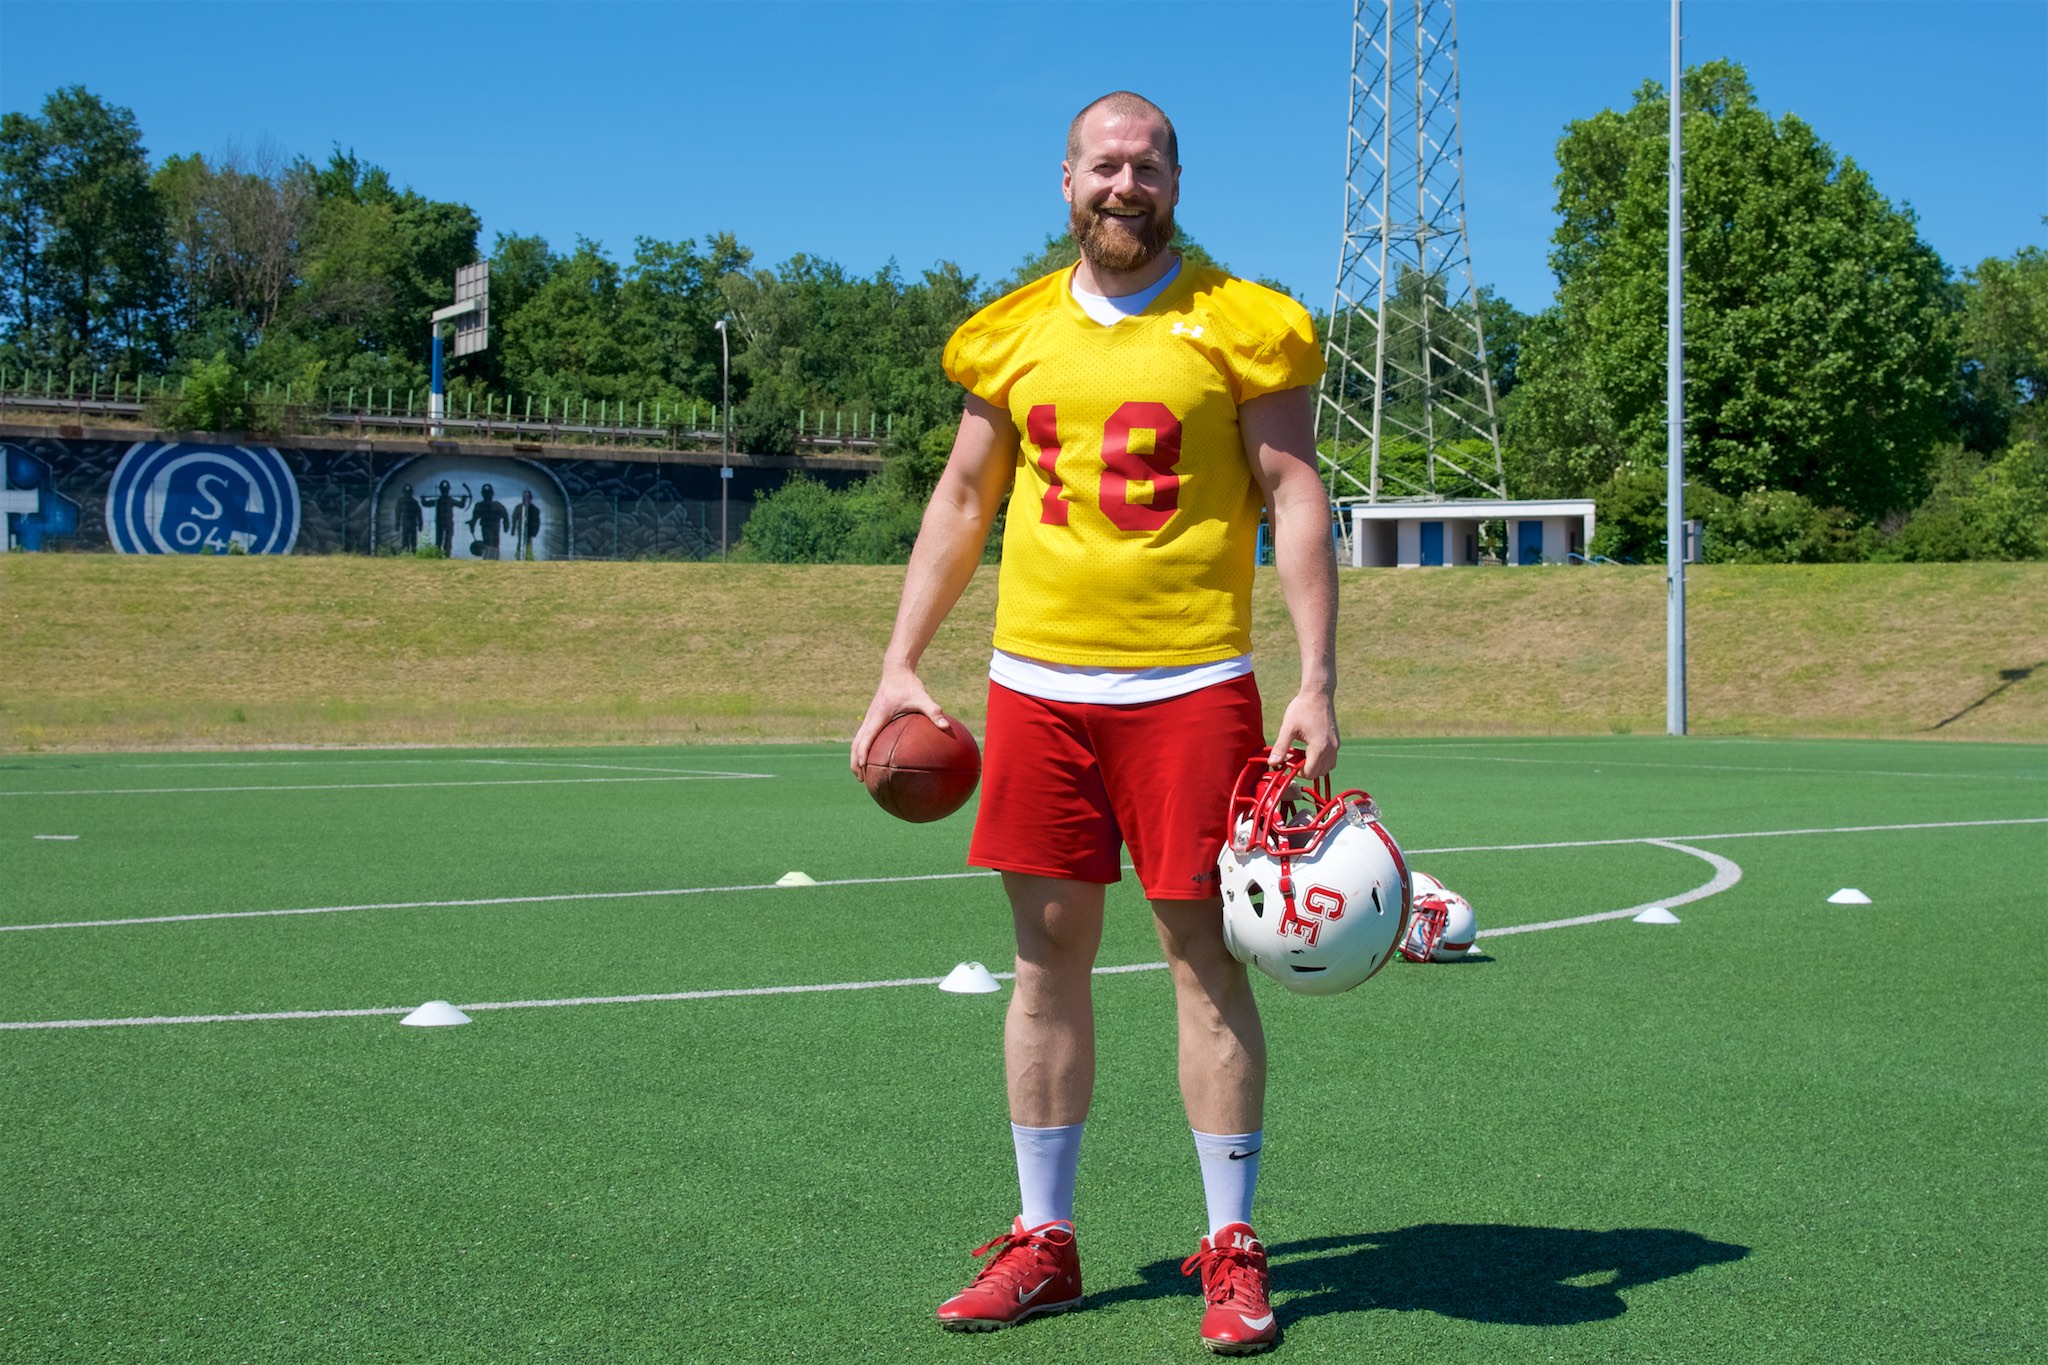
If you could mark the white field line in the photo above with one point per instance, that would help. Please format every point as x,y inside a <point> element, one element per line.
<point>540,1004</point>
<point>488,900</point>
<point>941,877</point>
<point>442,759</point>
<point>387,786</point>
<point>1726,874</point>
<point>1687,767</point>
<point>1746,834</point>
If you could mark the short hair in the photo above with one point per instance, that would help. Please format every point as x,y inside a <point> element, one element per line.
<point>1123,102</point>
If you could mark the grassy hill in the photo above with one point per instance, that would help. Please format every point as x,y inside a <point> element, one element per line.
<point>107,652</point>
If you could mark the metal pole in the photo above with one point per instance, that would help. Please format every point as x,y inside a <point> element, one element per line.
<point>437,402</point>
<point>1674,490</point>
<point>724,433</point>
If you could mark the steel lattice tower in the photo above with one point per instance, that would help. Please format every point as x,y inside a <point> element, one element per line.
<point>1407,378</point>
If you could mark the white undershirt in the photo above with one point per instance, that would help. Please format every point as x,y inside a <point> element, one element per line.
<point>1112,686</point>
<point>1109,310</point>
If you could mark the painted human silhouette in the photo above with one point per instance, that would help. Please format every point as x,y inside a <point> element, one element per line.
<point>445,505</point>
<point>525,526</point>
<point>407,515</point>
<point>493,516</point>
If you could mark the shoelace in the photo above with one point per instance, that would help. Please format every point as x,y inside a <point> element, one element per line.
<point>1227,1272</point>
<point>1002,1246</point>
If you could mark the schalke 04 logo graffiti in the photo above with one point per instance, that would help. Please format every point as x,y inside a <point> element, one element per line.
<point>176,498</point>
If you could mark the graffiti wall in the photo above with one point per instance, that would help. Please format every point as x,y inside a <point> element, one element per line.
<point>189,497</point>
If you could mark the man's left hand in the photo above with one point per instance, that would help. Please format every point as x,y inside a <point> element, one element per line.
<point>1310,724</point>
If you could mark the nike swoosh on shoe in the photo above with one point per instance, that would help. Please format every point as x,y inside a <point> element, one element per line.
<point>1023,1297</point>
<point>1258,1324</point>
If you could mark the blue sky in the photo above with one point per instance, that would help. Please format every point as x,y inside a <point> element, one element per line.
<point>928,131</point>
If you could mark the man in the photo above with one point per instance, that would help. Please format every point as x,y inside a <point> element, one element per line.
<point>492,515</point>
<point>1145,411</point>
<point>525,525</point>
<point>446,504</point>
<point>407,516</point>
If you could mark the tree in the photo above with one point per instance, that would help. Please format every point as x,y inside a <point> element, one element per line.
<point>84,242</point>
<point>377,261</point>
<point>2005,349</point>
<point>235,235</point>
<point>1818,346</point>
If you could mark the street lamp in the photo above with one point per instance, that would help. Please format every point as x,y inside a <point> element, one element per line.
<point>724,431</point>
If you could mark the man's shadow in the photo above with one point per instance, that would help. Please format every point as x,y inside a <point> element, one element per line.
<point>1482,1272</point>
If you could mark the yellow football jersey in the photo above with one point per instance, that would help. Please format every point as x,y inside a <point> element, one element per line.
<point>1134,516</point>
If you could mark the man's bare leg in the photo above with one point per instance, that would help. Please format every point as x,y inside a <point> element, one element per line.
<point>1222,1045</point>
<point>1049,1034</point>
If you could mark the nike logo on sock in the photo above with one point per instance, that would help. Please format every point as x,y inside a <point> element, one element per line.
<point>1240,1156</point>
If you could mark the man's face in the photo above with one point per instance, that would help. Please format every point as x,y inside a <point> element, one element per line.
<point>1121,188</point>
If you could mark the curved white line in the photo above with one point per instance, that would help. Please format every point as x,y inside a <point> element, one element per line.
<point>1726,874</point>
<point>538,1004</point>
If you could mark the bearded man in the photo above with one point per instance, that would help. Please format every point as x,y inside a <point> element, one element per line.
<point>1139,414</point>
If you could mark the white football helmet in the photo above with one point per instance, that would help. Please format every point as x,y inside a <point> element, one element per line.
<point>1315,892</point>
<point>1443,927</point>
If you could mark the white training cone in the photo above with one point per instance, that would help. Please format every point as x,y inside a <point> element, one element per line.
<point>796,879</point>
<point>435,1014</point>
<point>1848,895</point>
<point>1656,914</point>
<point>970,978</point>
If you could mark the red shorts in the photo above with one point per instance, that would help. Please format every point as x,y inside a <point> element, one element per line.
<point>1064,785</point>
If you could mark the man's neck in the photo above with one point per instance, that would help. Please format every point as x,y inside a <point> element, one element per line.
<point>1114,284</point>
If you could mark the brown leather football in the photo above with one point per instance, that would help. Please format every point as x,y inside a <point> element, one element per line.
<point>918,772</point>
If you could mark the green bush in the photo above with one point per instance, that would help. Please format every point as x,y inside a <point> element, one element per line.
<point>210,399</point>
<point>802,522</point>
<point>1773,526</point>
<point>764,424</point>
<point>1981,509</point>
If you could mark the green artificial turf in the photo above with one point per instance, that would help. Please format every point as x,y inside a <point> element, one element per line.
<point>1781,1130</point>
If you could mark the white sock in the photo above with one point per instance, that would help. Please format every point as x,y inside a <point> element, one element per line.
<point>1046,1161</point>
<point>1230,1170</point>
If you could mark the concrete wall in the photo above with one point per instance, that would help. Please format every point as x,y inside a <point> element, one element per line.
<point>150,493</point>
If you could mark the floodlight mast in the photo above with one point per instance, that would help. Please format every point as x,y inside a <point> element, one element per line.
<point>1405,358</point>
<point>1675,537</point>
<point>724,429</point>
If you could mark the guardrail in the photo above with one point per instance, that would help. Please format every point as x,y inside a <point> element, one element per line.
<point>285,413</point>
<point>302,418</point>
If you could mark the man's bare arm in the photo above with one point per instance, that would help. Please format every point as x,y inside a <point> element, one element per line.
<point>1279,441</point>
<point>949,544</point>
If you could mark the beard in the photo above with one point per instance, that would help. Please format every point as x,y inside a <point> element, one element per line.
<point>1121,244</point>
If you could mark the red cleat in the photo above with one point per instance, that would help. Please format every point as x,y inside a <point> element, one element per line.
<point>1239,1319</point>
<point>1034,1270</point>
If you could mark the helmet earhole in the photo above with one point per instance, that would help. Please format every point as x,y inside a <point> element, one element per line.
<point>1255,897</point>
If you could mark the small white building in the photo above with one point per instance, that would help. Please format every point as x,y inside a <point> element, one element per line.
<point>1409,535</point>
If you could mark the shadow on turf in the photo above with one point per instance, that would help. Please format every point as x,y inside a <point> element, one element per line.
<point>1482,1272</point>
<point>2006,678</point>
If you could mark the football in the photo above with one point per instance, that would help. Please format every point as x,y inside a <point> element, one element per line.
<point>918,772</point>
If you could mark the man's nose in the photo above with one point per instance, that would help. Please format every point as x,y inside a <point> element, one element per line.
<point>1125,180</point>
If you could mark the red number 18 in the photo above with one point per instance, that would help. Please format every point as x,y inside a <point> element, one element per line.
<point>1120,465</point>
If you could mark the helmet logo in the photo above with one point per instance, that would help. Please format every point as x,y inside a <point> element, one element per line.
<point>1318,903</point>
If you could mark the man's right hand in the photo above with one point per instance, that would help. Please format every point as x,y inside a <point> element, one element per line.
<point>900,690</point>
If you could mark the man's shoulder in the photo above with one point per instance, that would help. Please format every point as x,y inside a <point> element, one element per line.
<point>1250,308</point>
<point>1019,307</point>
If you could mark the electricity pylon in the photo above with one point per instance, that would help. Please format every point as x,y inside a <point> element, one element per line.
<point>1407,379</point>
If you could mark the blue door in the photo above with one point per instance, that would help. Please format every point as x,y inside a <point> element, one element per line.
<point>1529,542</point>
<point>1432,543</point>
